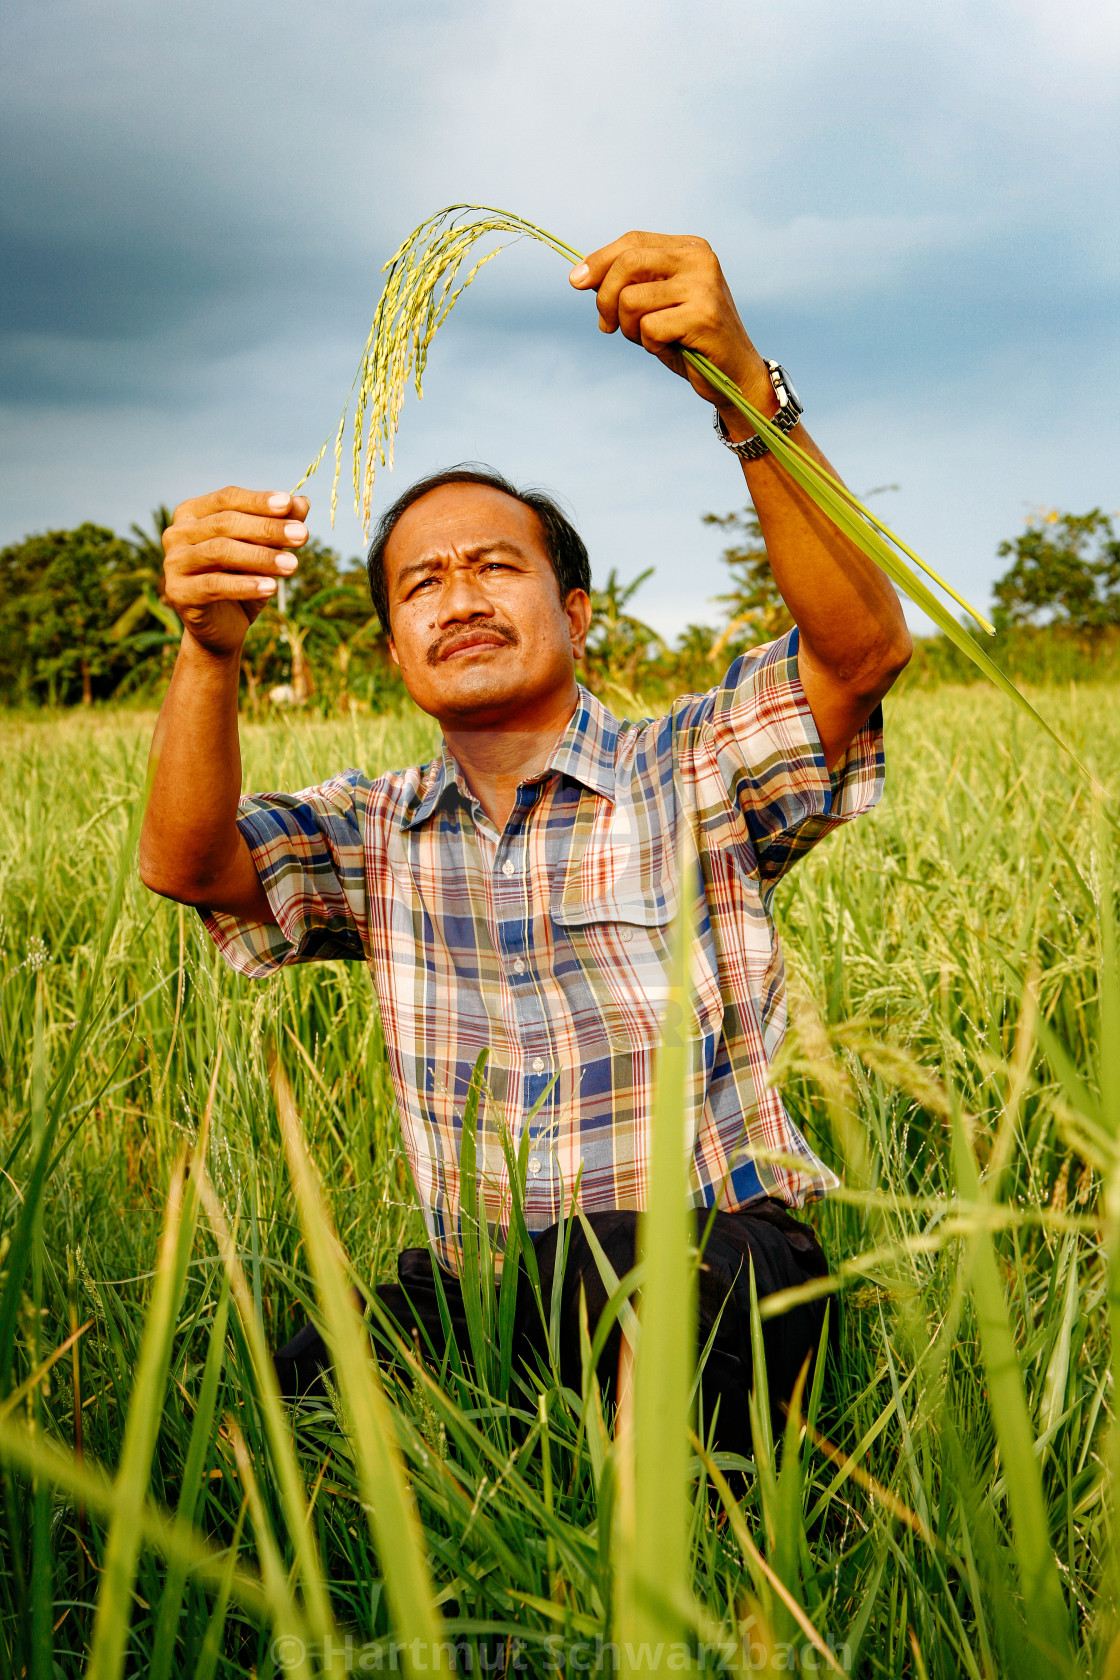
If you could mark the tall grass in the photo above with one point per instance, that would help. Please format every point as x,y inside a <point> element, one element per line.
<point>938,1503</point>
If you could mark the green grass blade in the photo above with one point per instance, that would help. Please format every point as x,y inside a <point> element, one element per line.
<point>393,1519</point>
<point>1039,1581</point>
<point>754,1559</point>
<point>473,1274</point>
<point>86,1483</point>
<point>289,1481</point>
<point>273,1573</point>
<point>42,1572</point>
<point>657,1603</point>
<point>114,1601</point>
<point>516,1170</point>
<point>511,1270</point>
<point>167,1622</point>
<point>210,1654</point>
<point>618,1300</point>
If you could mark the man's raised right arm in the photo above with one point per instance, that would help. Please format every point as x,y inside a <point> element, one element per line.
<point>223,555</point>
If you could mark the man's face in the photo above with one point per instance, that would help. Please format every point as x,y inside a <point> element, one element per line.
<point>477,624</point>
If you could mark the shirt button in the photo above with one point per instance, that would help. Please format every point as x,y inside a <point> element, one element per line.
<point>507,867</point>
<point>626,935</point>
<point>519,967</point>
<point>538,1064</point>
<point>534,1165</point>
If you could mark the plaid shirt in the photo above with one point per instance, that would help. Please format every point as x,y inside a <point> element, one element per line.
<point>547,943</point>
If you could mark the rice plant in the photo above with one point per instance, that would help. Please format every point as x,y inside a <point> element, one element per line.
<point>191,1162</point>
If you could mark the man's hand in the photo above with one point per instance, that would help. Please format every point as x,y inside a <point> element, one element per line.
<point>667,292</point>
<point>223,555</point>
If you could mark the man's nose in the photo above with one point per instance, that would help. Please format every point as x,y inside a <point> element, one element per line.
<point>463,597</point>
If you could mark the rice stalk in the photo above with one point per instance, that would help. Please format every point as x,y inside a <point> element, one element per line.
<point>417,297</point>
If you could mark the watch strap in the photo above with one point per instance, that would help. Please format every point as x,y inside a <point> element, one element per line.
<point>789,413</point>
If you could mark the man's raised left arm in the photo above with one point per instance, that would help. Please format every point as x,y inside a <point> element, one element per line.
<point>667,293</point>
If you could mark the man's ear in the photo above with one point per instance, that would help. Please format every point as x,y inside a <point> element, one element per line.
<point>393,651</point>
<point>578,610</point>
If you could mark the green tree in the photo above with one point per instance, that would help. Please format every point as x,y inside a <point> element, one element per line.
<point>1066,570</point>
<point>148,631</point>
<point>753,609</point>
<point>61,593</point>
<point>618,645</point>
<point>309,631</point>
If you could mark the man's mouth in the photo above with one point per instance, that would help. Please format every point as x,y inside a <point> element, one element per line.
<point>470,641</point>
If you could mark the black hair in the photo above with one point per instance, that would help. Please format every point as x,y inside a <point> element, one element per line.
<point>563,543</point>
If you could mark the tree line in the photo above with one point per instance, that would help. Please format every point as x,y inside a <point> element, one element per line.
<point>84,617</point>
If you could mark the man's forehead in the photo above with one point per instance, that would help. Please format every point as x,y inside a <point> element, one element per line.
<point>442,524</point>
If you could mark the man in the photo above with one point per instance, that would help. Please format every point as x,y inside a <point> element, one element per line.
<point>517,893</point>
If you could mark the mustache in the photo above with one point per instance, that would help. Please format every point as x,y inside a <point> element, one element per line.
<point>506,632</point>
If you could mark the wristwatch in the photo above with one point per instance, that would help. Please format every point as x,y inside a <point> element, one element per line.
<point>790,410</point>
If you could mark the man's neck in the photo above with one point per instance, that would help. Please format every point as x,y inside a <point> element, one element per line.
<point>495,758</point>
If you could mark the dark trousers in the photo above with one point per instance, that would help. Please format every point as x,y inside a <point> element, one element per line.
<point>784,1252</point>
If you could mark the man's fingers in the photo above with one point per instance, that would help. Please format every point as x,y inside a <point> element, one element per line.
<point>247,527</point>
<point>589,274</point>
<point>202,589</point>
<point>667,275</point>
<point>654,298</point>
<point>227,554</point>
<point>235,499</point>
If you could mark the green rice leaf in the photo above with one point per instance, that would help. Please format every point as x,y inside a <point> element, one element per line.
<point>289,1481</point>
<point>475,1274</point>
<point>655,1603</point>
<point>209,1656</point>
<point>273,1573</point>
<point>167,1622</point>
<point>86,1483</point>
<point>1030,1522</point>
<point>114,1601</point>
<point>390,1508</point>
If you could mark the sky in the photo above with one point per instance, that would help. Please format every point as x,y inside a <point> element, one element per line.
<point>916,209</point>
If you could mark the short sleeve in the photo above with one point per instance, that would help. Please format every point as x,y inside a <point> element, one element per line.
<point>309,852</point>
<point>772,764</point>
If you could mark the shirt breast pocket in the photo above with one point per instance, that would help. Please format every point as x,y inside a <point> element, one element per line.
<point>617,962</point>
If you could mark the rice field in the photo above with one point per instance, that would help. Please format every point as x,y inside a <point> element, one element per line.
<point>172,1137</point>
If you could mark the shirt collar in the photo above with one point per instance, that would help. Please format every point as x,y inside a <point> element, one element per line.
<point>588,749</point>
<point>587,752</point>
